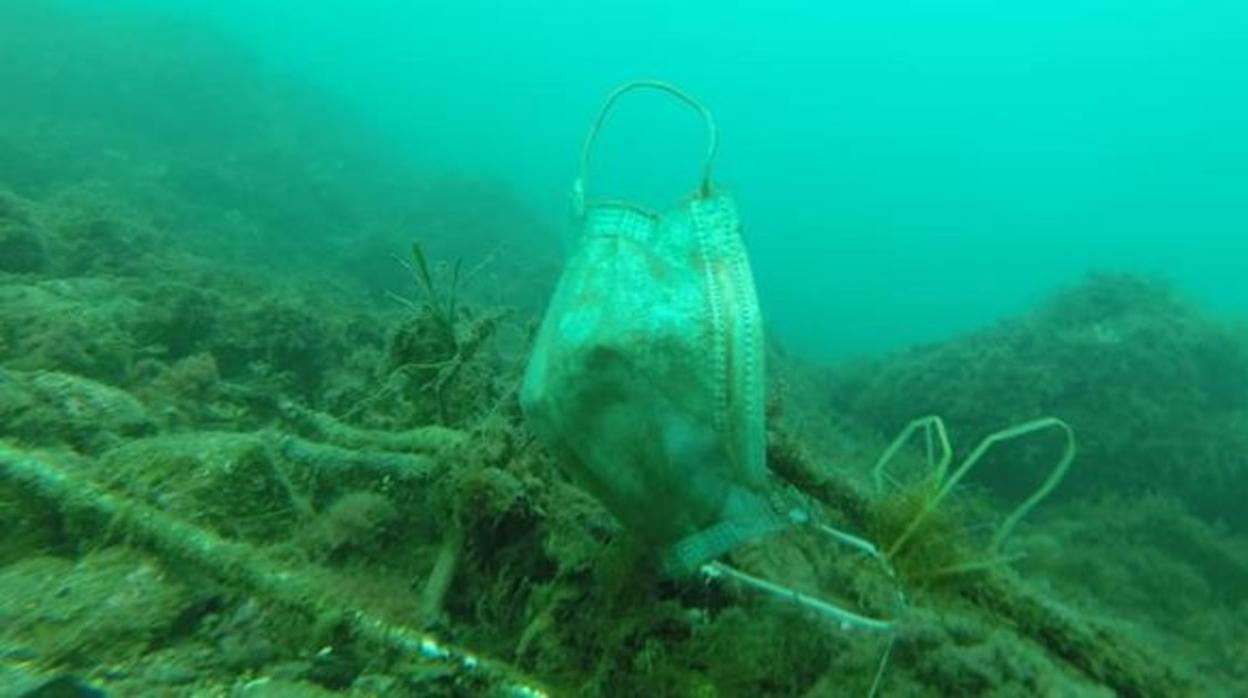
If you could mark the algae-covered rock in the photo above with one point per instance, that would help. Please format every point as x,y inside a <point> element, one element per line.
<point>111,605</point>
<point>72,325</point>
<point>1148,559</point>
<point>1155,389</point>
<point>15,400</point>
<point>49,407</point>
<point>229,483</point>
<point>23,248</point>
<point>30,526</point>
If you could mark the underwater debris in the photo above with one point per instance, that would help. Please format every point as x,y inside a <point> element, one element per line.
<point>646,385</point>
<point>646,377</point>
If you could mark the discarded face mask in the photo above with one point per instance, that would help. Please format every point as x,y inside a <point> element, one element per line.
<point>646,383</point>
<point>646,380</point>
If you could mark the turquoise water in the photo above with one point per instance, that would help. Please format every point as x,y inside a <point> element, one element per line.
<point>908,170</point>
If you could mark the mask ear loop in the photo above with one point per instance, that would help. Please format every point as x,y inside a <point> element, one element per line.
<point>704,188</point>
<point>845,618</point>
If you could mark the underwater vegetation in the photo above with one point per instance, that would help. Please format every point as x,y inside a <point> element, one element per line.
<point>215,430</point>
<point>1156,388</point>
<point>259,436</point>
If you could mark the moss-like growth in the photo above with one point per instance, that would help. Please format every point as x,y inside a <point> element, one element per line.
<point>49,408</point>
<point>77,326</point>
<point>1156,388</point>
<point>22,249</point>
<point>920,532</point>
<point>228,483</point>
<point>353,525</point>
<point>939,550</point>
